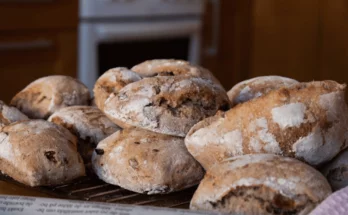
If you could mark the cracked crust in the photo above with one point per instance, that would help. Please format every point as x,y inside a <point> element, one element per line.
<point>10,114</point>
<point>336,171</point>
<point>46,95</point>
<point>307,121</point>
<point>168,105</point>
<point>256,87</point>
<point>87,123</point>
<point>39,153</point>
<point>146,162</point>
<point>111,82</point>
<point>172,67</point>
<point>261,184</point>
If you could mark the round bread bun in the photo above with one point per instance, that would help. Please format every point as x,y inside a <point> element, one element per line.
<point>336,171</point>
<point>261,184</point>
<point>89,124</point>
<point>46,95</point>
<point>146,162</point>
<point>172,67</point>
<point>168,105</point>
<point>111,82</point>
<point>256,87</point>
<point>39,153</point>
<point>10,114</point>
<point>307,121</point>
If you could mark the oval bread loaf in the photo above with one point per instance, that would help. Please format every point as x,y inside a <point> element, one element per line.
<point>256,87</point>
<point>39,153</point>
<point>87,123</point>
<point>168,105</point>
<point>10,114</point>
<point>146,162</point>
<point>307,121</point>
<point>336,171</point>
<point>261,184</point>
<point>46,95</point>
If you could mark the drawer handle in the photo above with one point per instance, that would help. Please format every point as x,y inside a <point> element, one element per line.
<point>35,44</point>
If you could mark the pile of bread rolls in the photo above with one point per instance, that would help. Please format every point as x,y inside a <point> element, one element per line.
<point>163,125</point>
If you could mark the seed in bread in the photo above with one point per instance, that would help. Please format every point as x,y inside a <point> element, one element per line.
<point>111,82</point>
<point>39,153</point>
<point>336,171</point>
<point>171,67</point>
<point>146,162</point>
<point>89,124</point>
<point>46,95</point>
<point>261,184</point>
<point>168,105</point>
<point>10,114</point>
<point>256,87</point>
<point>307,121</point>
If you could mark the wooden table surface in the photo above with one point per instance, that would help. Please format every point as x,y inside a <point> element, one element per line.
<point>12,189</point>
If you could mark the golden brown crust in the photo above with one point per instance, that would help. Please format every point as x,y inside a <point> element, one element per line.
<point>146,162</point>
<point>46,95</point>
<point>10,114</point>
<point>168,105</point>
<point>261,184</point>
<point>39,153</point>
<point>307,121</point>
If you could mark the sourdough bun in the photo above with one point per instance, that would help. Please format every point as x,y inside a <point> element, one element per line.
<point>171,67</point>
<point>336,171</point>
<point>168,105</point>
<point>39,153</point>
<point>89,124</point>
<point>10,114</point>
<point>48,94</point>
<point>307,121</point>
<point>256,87</point>
<point>261,184</point>
<point>111,82</point>
<point>146,162</point>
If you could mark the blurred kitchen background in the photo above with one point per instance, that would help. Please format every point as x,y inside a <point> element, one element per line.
<point>235,39</point>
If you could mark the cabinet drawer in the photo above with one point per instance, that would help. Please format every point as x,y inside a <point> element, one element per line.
<point>38,14</point>
<point>25,57</point>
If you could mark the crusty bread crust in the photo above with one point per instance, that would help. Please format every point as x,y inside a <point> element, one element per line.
<point>146,162</point>
<point>256,87</point>
<point>46,95</point>
<point>10,114</point>
<point>168,105</point>
<point>307,121</point>
<point>39,153</point>
<point>261,184</point>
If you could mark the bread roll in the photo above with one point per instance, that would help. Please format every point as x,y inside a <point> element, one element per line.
<point>146,162</point>
<point>171,67</point>
<point>9,114</point>
<point>256,87</point>
<point>89,124</point>
<point>261,184</point>
<point>39,153</point>
<point>336,171</point>
<point>48,94</point>
<point>168,105</point>
<point>111,82</point>
<point>307,121</point>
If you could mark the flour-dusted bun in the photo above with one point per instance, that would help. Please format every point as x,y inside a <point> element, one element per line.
<point>261,184</point>
<point>111,82</point>
<point>146,162</point>
<point>171,67</point>
<point>168,105</point>
<point>10,114</point>
<point>46,95</point>
<point>39,153</point>
<point>307,121</point>
<point>256,87</point>
<point>89,124</point>
<point>336,171</point>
